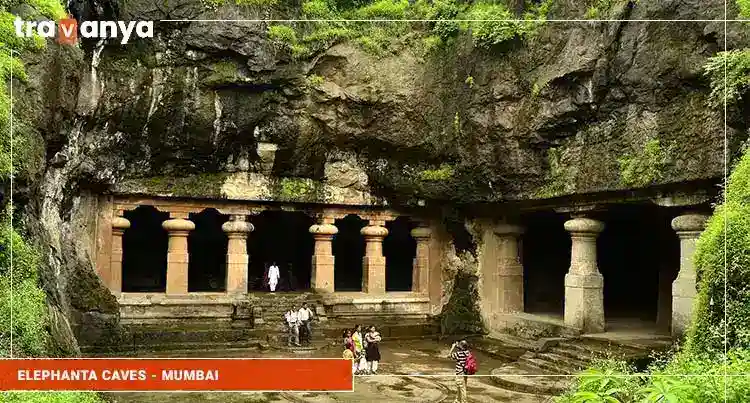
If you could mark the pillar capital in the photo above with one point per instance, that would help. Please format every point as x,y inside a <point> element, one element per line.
<point>584,226</point>
<point>689,223</point>
<point>120,224</point>
<point>237,227</point>
<point>323,230</point>
<point>421,233</point>
<point>503,229</point>
<point>178,225</point>
<point>374,231</point>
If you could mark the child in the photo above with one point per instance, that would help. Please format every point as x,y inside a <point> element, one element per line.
<point>359,349</point>
<point>349,355</point>
<point>372,351</point>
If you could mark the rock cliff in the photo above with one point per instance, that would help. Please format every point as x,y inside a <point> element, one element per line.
<point>577,107</point>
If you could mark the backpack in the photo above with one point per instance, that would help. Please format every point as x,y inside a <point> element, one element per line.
<point>471,364</point>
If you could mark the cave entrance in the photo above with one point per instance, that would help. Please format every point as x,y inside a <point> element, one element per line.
<point>144,251</point>
<point>399,249</point>
<point>284,238</point>
<point>545,255</point>
<point>639,257</point>
<point>207,248</point>
<point>349,249</point>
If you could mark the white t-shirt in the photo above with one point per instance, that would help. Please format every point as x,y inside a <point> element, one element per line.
<point>304,314</point>
<point>291,317</point>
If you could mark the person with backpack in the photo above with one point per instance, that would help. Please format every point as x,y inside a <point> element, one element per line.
<point>466,365</point>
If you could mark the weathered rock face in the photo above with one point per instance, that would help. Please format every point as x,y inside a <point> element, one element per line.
<point>549,117</point>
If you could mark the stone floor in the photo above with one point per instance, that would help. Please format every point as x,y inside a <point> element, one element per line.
<point>400,359</point>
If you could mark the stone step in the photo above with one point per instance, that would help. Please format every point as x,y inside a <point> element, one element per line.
<point>583,355</point>
<point>514,378</point>
<point>573,363</point>
<point>546,367</point>
<point>496,348</point>
<point>190,352</point>
<point>166,347</point>
<point>148,337</point>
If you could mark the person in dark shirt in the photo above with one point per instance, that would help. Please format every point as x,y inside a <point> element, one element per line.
<point>459,352</point>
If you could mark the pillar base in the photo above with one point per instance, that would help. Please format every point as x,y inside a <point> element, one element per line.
<point>373,281</point>
<point>584,302</point>
<point>322,273</point>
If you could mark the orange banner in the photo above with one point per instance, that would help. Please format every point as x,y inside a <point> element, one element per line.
<point>132,374</point>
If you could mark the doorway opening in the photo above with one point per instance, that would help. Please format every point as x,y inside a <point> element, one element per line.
<point>207,247</point>
<point>636,251</point>
<point>399,249</point>
<point>546,260</point>
<point>144,251</point>
<point>283,238</point>
<point>349,250</point>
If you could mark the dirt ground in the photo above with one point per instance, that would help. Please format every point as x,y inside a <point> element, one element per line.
<point>415,371</point>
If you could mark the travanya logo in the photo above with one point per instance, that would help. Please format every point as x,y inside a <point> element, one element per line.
<point>67,29</point>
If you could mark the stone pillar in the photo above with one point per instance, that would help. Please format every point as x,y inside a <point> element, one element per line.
<point>323,260</point>
<point>584,285</point>
<point>177,257</point>
<point>420,278</point>
<point>688,228</point>
<point>237,230</point>
<point>119,225</point>
<point>509,281</point>
<point>373,264</point>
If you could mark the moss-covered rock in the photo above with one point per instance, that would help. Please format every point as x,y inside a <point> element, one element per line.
<point>202,185</point>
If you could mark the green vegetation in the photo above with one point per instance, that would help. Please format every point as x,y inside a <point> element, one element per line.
<point>297,189</point>
<point>344,21</point>
<point>469,81</point>
<point>223,73</point>
<point>201,185</point>
<point>599,9</point>
<point>259,3</point>
<point>744,6</point>
<point>737,66</point>
<point>645,168</point>
<point>723,259</point>
<point>683,378</point>
<point>721,322</point>
<point>315,80</point>
<point>445,172</point>
<point>558,180</point>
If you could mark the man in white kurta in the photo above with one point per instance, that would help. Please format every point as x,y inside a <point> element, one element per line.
<point>273,276</point>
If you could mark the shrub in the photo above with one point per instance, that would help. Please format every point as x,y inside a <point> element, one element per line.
<point>722,258</point>
<point>50,397</point>
<point>646,167</point>
<point>736,65</point>
<point>282,33</point>
<point>686,378</point>
<point>744,6</point>
<point>383,9</point>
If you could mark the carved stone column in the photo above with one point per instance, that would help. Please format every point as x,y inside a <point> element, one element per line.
<point>177,257</point>
<point>119,225</point>
<point>420,279</point>
<point>323,260</point>
<point>509,281</point>
<point>373,264</point>
<point>584,285</point>
<point>688,228</point>
<point>237,229</point>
